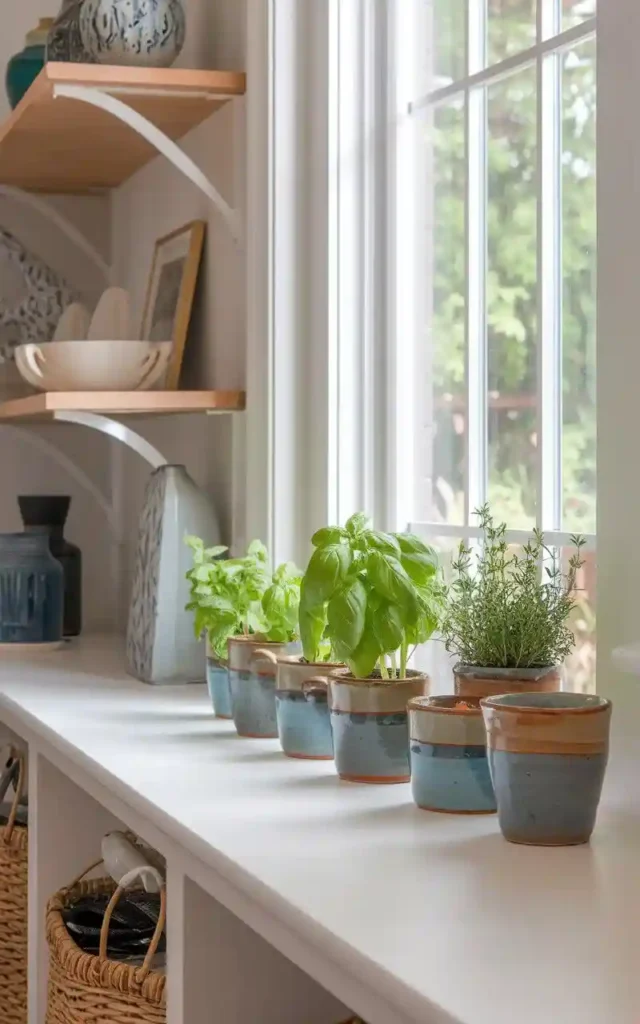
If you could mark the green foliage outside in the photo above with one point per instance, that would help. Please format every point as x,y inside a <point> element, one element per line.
<point>512,279</point>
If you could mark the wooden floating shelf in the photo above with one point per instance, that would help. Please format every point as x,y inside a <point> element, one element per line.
<point>59,145</point>
<point>121,403</point>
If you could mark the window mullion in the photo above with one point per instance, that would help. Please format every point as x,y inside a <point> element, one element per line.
<point>549,262</point>
<point>476,260</point>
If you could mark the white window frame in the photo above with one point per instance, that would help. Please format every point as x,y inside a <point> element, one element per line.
<point>414,415</point>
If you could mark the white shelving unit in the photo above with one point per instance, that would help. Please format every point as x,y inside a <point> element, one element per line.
<point>293,895</point>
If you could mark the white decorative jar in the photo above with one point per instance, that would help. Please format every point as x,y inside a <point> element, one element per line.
<point>143,33</point>
<point>161,646</point>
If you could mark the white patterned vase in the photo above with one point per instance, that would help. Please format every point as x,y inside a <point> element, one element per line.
<point>161,646</point>
<point>146,33</point>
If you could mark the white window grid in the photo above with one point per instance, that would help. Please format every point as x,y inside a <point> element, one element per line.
<point>412,21</point>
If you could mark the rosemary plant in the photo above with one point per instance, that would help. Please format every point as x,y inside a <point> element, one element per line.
<point>508,610</point>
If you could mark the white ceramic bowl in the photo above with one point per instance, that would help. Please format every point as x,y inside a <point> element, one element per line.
<point>94,365</point>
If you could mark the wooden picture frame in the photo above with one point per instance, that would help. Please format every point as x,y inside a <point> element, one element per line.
<point>170,292</point>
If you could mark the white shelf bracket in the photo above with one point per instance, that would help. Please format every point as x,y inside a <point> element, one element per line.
<point>61,222</point>
<point>118,431</point>
<point>160,141</point>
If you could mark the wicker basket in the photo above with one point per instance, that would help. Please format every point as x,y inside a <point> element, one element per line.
<point>88,989</point>
<point>13,911</point>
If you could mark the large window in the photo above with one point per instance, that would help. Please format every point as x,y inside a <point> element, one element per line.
<point>496,230</point>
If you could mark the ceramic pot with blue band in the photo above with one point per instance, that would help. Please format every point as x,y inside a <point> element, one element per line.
<point>370,726</point>
<point>31,590</point>
<point>449,767</point>
<point>218,685</point>
<point>252,679</point>
<point>547,754</point>
<point>302,705</point>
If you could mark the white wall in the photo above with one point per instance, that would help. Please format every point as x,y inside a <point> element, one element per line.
<point>154,202</point>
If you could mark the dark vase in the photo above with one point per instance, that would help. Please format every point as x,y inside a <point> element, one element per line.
<point>46,515</point>
<point>31,590</point>
<point>24,67</point>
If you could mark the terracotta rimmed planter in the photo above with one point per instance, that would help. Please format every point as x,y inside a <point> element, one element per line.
<point>370,726</point>
<point>218,685</point>
<point>252,679</point>
<point>472,681</point>
<point>302,707</point>
<point>547,754</point>
<point>449,767</point>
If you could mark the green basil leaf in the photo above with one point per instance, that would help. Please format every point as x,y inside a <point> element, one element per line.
<point>357,524</point>
<point>328,535</point>
<point>384,542</point>
<point>346,617</point>
<point>411,544</point>
<point>388,627</point>
<point>327,568</point>
<point>362,661</point>
<point>420,566</point>
<point>216,551</point>
<point>312,625</point>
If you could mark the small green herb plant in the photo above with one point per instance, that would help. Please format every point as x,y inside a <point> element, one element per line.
<point>240,597</point>
<point>226,594</point>
<point>502,613</point>
<point>371,596</point>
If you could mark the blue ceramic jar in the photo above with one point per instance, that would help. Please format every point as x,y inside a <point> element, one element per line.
<point>548,754</point>
<point>25,66</point>
<point>302,706</point>
<point>370,726</point>
<point>449,767</point>
<point>252,678</point>
<point>218,685</point>
<point>31,590</point>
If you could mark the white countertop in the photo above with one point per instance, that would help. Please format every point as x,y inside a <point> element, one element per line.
<point>437,912</point>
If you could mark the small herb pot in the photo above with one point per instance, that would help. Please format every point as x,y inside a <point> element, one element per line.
<point>252,679</point>
<point>302,707</point>
<point>370,726</point>
<point>547,754</point>
<point>449,767</point>
<point>218,685</point>
<point>472,681</point>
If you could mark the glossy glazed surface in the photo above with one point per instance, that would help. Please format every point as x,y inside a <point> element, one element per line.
<point>547,754</point>
<point>304,725</point>
<point>219,688</point>
<point>252,679</point>
<point>449,767</point>
<point>487,682</point>
<point>451,778</point>
<point>31,590</point>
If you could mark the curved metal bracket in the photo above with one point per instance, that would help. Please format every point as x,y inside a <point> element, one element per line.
<point>69,229</point>
<point>50,449</point>
<point>157,138</point>
<point>118,431</point>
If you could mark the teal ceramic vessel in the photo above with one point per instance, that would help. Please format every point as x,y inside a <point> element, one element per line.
<point>24,67</point>
<point>449,767</point>
<point>218,686</point>
<point>252,679</point>
<point>547,754</point>
<point>302,708</point>
<point>370,726</point>
<point>31,590</point>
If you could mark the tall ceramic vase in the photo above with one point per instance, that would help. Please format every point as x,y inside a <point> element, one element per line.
<point>161,647</point>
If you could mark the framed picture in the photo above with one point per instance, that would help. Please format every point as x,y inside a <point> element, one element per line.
<point>170,293</point>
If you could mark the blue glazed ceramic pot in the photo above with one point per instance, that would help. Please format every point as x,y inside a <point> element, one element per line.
<point>370,726</point>
<point>547,754</point>
<point>143,33</point>
<point>302,708</point>
<point>218,685</point>
<point>449,767</point>
<point>24,67</point>
<point>31,590</point>
<point>252,678</point>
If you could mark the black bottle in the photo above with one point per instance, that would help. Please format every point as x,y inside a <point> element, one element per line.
<point>48,514</point>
